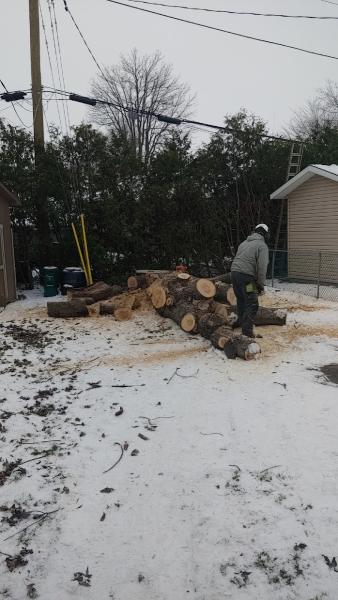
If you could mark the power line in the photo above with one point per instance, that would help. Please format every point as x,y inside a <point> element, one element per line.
<point>14,108</point>
<point>163,118</point>
<point>235,12</point>
<point>219,29</point>
<point>49,60</point>
<point>327,2</point>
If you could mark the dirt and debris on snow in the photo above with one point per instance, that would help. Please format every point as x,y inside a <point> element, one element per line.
<point>138,462</point>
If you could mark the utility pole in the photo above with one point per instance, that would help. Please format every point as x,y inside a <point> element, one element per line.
<point>36,75</point>
<point>40,194</point>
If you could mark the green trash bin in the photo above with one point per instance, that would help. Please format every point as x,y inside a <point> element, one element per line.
<point>50,280</point>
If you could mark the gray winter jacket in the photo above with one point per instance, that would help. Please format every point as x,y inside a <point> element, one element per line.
<point>252,258</point>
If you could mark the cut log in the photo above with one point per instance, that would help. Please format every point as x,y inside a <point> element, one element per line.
<point>221,337</point>
<point>183,277</point>
<point>184,315</point>
<point>243,347</point>
<point>224,293</point>
<point>123,314</point>
<point>219,309</point>
<point>158,297</point>
<point>205,288</point>
<point>266,316</point>
<point>66,310</point>
<point>98,291</point>
<point>106,309</point>
<point>138,281</point>
<point>87,301</point>
<point>208,323</point>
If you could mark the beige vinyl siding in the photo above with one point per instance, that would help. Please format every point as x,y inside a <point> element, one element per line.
<point>313,228</point>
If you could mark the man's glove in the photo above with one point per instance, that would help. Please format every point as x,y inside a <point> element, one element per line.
<point>260,289</point>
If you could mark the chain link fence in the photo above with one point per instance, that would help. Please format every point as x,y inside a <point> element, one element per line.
<point>305,272</point>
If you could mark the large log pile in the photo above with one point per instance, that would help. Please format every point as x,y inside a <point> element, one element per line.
<point>199,306</point>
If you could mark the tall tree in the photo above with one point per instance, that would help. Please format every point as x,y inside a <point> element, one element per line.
<point>137,84</point>
<point>319,113</point>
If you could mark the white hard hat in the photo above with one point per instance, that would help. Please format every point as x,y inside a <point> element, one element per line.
<point>262,226</point>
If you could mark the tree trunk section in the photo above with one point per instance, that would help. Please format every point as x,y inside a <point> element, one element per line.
<point>66,310</point>
<point>267,316</point>
<point>243,347</point>
<point>219,309</point>
<point>209,323</point>
<point>184,315</point>
<point>137,281</point>
<point>221,336</point>
<point>98,291</point>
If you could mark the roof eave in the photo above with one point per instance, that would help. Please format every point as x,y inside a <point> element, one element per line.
<point>285,190</point>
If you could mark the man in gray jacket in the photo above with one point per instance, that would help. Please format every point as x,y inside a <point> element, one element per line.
<point>248,274</point>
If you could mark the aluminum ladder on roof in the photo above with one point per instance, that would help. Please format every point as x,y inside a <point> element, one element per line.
<point>295,160</point>
<point>294,167</point>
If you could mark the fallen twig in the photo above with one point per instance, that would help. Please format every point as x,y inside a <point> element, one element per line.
<point>221,434</point>
<point>123,385</point>
<point>37,443</point>
<point>236,467</point>
<point>31,459</point>
<point>154,419</point>
<point>42,518</point>
<point>120,458</point>
<point>268,469</point>
<point>176,372</point>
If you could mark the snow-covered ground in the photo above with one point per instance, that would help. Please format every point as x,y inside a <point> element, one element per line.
<point>230,492</point>
<point>326,292</point>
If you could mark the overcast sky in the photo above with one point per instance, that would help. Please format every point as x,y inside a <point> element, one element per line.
<point>225,73</point>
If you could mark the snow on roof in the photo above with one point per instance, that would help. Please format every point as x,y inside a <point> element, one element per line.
<point>330,168</point>
<point>328,171</point>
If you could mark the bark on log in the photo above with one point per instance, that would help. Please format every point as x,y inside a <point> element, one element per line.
<point>243,347</point>
<point>219,309</point>
<point>184,315</point>
<point>123,314</point>
<point>224,293</point>
<point>98,291</point>
<point>267,316</point>
<point>209,323</point>
<point>66,310</point>
<point>106,309</point>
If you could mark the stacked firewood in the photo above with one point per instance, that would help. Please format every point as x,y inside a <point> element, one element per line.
<point>199,306</point>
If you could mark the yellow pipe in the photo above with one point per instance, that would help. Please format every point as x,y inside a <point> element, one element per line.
<point>80,253</point>
<point>84,237</point>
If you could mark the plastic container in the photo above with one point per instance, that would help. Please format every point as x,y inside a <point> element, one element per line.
<point>72,278</point>
<point>50,281</point>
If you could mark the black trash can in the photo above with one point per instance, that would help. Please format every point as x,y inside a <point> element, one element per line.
<point>72,278</point>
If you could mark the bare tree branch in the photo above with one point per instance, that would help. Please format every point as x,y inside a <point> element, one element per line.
<point>136,84</point>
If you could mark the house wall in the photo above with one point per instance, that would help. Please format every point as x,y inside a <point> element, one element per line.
<point>313,229</point>
<point>9,258</point>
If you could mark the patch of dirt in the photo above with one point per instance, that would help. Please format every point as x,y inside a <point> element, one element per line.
<point>132,360</point>
<point>28,334</point>
<point>277,339</point>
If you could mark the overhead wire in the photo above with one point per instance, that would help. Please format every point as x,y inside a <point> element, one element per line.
<point>236,12</point>
<point>226,31</point>
<point>49,58</point>
<point>225,129</point>
<point>14,108</point>
<point>57,57</point>
<point>75,183</point>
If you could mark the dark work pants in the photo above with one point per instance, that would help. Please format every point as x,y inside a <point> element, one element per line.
<point>247,302</point>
